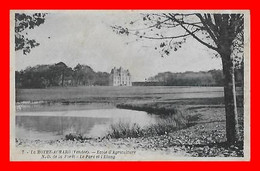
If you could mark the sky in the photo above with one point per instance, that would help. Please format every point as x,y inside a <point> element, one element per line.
<point>86,37</point>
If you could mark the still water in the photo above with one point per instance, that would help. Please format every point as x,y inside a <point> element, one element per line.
<point>53,125</point>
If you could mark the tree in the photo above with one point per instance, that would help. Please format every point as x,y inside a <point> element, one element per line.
<point>23,22</point>
<point>223,33</point>
<point>59,74</point>
<point>84,75</point>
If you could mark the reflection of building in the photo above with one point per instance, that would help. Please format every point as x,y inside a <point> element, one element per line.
<point>120,77</point>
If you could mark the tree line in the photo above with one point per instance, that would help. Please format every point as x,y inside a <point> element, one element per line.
<point>59,74</point>
<point>190,78</point>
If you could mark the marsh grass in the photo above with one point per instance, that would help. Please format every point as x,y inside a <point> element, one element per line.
<point>164,125</point>
<point>123,129</point>
<point>153,108</point>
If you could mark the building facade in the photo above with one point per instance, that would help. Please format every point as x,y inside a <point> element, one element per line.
<point>120,77</point>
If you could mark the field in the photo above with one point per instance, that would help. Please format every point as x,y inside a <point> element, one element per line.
<point>113,93</point>
<point>203,107</point>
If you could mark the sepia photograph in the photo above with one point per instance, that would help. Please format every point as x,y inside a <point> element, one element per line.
<point>130,85</point>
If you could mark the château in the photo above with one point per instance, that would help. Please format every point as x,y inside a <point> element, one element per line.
<point>120,77</point>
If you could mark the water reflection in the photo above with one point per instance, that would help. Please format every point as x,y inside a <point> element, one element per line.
<point>89,123</point>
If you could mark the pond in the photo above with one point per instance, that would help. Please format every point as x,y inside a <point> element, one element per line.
<point>54,125</point>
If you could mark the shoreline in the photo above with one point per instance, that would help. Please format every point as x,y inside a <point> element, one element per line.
<point>179,143</point>
<point>204,138</point>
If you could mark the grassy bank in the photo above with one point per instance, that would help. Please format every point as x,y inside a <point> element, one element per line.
<point>204,134</point>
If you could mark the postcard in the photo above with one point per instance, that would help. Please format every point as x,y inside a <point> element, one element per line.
<point>130,85</point>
